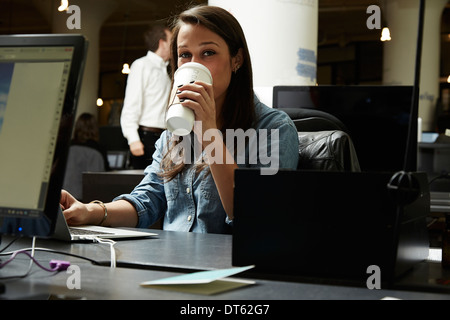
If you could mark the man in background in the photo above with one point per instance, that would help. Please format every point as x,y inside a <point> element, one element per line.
<point>146,96</point>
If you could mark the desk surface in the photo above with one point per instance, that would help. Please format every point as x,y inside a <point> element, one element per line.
<point>169,249</point>
<point>174,253</point>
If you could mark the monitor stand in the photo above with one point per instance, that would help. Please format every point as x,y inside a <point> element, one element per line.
<point>2,288</point>
<point>2,285</point>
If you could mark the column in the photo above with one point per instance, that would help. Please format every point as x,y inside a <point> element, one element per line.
<point>282,40</point>
<point>400,53</point>
<point>92,14</point>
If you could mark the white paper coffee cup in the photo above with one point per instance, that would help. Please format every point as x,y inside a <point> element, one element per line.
<point>179,119</point>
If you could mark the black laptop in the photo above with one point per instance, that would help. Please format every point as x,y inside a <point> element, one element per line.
<point>326,225</point>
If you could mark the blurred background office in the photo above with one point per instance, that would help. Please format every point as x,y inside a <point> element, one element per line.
<point>86,154</point>
<point>325,42</point>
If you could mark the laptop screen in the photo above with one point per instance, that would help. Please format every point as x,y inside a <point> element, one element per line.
<point>39,84</point>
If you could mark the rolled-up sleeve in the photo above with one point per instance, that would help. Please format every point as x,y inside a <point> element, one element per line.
<point>148,197</point>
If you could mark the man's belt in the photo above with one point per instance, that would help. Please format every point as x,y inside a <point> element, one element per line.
<point>151,129</point>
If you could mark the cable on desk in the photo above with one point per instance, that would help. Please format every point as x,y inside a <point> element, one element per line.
<point>55,265</point>
<point>111,244</point>
<point>29,267</point>
<point>55,252</point>
<point>9,244</point>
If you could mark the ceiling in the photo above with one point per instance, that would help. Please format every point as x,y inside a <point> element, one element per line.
<point>121,39</point>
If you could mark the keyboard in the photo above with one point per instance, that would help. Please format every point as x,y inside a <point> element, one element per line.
<point>84,232</point>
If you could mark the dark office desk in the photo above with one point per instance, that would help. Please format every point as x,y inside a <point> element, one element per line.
<point>169,250</point>
<point>169,254</point>
<point>105,186</point>
<point>433,157</point>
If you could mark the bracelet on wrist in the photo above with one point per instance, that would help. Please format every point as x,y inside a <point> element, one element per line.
<point>104,209</point>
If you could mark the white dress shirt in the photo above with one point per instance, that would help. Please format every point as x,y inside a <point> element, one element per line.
<point>146,96</point>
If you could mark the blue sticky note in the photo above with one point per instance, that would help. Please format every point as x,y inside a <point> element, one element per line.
<point>198,277</point>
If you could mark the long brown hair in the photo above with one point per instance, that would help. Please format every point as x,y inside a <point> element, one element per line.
<point>86,128</point>
<point>238,110</point>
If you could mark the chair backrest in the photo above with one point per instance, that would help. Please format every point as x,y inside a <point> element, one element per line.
<point>330,150</point>
<point>324,142</point>
<point>308,120</point>
<point>81,159</point>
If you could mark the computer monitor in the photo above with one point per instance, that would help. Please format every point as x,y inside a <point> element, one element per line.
<point>117,149</point>
<point>377,118</point>
<point>117,159</point>
<point>40,77</point>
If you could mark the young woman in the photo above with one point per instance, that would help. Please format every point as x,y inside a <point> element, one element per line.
<point>197,195</point>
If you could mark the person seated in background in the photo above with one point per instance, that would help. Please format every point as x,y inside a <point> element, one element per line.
<point>197,196</point>
<point>85,154</point>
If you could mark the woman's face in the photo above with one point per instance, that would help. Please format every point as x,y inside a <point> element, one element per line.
<point>199,44</point>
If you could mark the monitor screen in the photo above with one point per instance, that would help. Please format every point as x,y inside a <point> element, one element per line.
<point>39,84</point>
<point>117,159</point>
<point>377,118</point>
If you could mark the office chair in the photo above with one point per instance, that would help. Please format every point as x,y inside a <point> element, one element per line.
<point>328,150</point>
<point>324,141</point>
<point>310,120</point>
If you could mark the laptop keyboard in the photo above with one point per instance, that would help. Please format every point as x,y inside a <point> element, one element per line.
<point>85,232</point>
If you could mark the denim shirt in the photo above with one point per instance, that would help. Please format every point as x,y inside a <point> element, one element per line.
<point>191,202</point>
